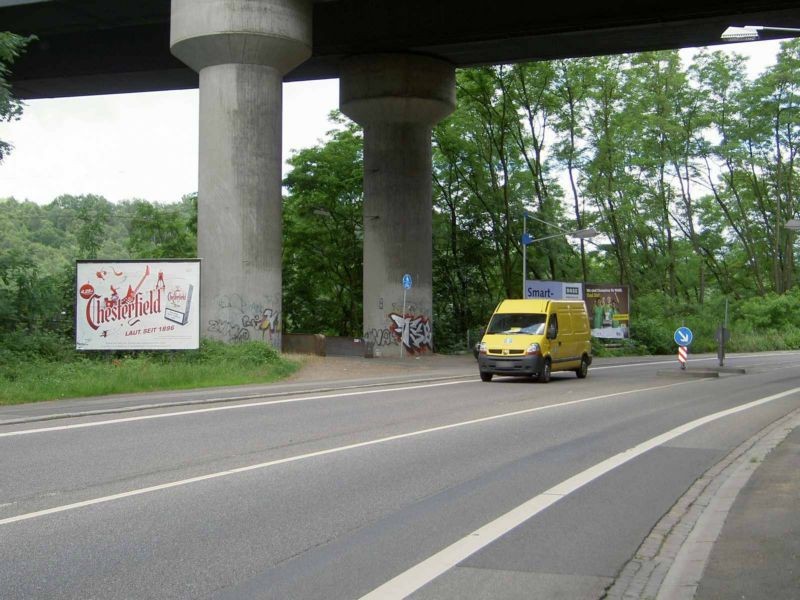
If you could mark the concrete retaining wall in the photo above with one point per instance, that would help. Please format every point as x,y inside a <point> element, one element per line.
<point>315,343</point>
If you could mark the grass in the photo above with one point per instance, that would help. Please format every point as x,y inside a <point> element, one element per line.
<point>31,378</point>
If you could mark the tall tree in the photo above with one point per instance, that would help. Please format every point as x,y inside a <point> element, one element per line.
<point>608,182</point>
<point>163,231</point>
<point>323,236</point>
<point>11,46</point>
<point>574,80</point>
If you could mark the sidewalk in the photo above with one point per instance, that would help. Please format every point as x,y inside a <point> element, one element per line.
<point>757,554</point>
<point>735,534</point>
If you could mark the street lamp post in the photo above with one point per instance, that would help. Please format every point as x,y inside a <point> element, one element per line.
<point>791,225</point>
<point>526,239</point>
<point>529,239</point>
<point>749,33</point>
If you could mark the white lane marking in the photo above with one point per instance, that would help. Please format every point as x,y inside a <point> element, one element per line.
<point>181,413</point>
<point>290,459</point>
<point>426,571</point>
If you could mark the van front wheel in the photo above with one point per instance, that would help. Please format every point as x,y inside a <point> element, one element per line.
<point>583,370</point>
<point>544,374</point>
<point>486,376</point>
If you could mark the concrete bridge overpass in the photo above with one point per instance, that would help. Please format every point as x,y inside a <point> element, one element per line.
<point>396,63</point>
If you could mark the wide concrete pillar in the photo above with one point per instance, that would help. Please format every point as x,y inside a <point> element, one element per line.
<point>397,99</point>
<point>241,49</point>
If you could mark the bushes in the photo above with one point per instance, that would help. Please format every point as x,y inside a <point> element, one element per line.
<point>772,312</point>
<point>757,324</point>
<point>246,354</point>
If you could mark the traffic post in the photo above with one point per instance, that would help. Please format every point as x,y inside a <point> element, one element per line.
<point>723,336</point>
<point>682,352</point>
<point>406,286</point>
<point>683,337</point>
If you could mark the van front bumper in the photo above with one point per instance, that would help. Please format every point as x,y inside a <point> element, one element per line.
<point>508,365</point>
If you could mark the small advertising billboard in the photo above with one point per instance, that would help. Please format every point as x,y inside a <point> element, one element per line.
<point>137,305</point>
<point>608,306</point>
<point>553,290</point>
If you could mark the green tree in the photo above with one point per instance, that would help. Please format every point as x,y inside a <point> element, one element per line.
<point>163,231</point>
<point>11,46</point>
<point>573,82</point>
<point>323,236</point>
<point>609,183</point>
<point>28,301</point>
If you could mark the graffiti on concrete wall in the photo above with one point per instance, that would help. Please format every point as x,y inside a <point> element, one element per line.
<point>380,337</point>
<point>240,320</point>
<point>413,331</point>
<point>410,327</point>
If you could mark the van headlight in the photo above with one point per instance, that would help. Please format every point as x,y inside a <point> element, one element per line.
<point>533,349</point>
<point>482,348</point>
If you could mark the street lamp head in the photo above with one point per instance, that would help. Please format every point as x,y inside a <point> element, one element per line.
<point>584,234</point>
<point>793,224</point>
<point>748,33</point>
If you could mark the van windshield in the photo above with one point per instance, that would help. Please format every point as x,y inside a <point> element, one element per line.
<point>531,324</point>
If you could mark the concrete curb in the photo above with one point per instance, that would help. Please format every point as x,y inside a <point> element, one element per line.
<point>670,562</point>
<point>689,373</point>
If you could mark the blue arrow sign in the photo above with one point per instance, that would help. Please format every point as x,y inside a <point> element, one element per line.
<point>406,281</point>
<point>683,336</point>
<point>526,239</point>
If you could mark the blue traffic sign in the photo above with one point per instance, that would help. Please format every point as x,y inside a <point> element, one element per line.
<point>526,239</point>
<point>406,281</point>
<point>683,336</point>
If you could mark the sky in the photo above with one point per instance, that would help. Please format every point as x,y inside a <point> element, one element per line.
<point>144,146</point>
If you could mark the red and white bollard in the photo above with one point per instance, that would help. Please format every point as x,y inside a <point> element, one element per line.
<point>682,352</point>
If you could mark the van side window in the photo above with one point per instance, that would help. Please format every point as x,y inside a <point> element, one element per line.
<point>552,327</point>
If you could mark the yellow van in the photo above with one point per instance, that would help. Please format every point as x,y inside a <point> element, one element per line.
<point>533,338</point>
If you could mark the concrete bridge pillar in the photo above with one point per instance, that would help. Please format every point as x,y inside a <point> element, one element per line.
<point>397,98</point>
<point>241,49</point>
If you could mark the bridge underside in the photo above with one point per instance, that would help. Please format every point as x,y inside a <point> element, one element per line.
<point>109,46</point>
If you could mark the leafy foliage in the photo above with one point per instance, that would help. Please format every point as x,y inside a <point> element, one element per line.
<point>11,46</point>
<point>39,244</point>
<point>323,236</point>
<point>163,231</point>
<point>688,173</point>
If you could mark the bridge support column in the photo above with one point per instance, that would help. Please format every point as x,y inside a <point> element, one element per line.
<point>241,49</point>
<point>397,99</point>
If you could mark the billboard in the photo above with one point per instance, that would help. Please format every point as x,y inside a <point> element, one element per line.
<point>137,305</point>
<point>553,290</point>
<point>609,310</point>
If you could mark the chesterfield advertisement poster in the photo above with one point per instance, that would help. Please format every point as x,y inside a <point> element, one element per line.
<point>137,305</point>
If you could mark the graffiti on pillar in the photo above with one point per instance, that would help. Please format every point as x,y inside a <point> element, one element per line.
<point>244,320</point>
<point>380,337</point>
<point>413,331</point>
<point>230,332</point>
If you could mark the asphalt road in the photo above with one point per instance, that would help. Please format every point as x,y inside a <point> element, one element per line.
<point>449,489</point>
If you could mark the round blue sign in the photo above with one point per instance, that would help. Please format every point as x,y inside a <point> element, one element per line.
<point>406,281</point>
<point>683,336</point>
